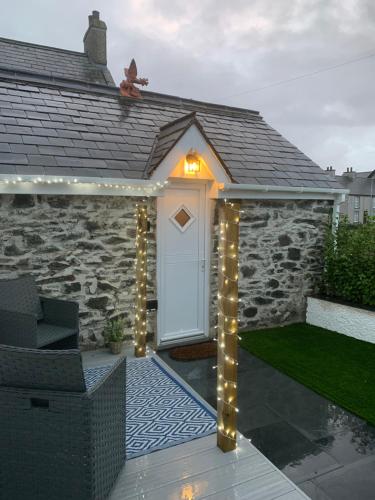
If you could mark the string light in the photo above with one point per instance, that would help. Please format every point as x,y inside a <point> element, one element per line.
<point>145,189</point>
<point>140,324</point>
<point>227,328</point>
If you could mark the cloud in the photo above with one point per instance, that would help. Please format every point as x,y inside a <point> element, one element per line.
<point>221,51</point>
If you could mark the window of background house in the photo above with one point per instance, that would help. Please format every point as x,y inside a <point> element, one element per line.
<point>356,216</point>
<point>356,201</point>
<point>373,202</point>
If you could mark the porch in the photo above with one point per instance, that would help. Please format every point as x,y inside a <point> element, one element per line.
<point>198,468</point>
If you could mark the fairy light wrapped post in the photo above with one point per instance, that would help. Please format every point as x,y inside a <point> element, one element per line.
<point>140,330</point>
<point>227,333</point>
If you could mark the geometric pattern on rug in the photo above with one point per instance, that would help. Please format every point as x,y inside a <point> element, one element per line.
<point>160,412</point>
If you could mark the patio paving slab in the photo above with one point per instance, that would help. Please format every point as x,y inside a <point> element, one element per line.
<point>353,482</point>
<point>311,439</point>
<point>298,457</point>
<point>350,445</point>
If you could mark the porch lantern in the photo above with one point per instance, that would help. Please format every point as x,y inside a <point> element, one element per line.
<point>192,162</point>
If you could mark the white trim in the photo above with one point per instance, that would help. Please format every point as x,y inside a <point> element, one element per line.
<point>186,184</point>
<point>66,185</point>
<point>265,192</point>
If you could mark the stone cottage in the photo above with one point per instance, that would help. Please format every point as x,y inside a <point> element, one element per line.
<point>75,159</point>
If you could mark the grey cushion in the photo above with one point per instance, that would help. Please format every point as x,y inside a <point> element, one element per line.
<point>48,334</point>
<point>20,294</point>
<point>41,369</point>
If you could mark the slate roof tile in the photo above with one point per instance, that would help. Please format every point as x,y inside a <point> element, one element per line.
<point>123,155</point>
<point>48,132</point>
<point>8,169</point>
<point>16,129</point>
<point>52,62</point>
<point>43,160</point>
<point>23,148</point>
<point>114,173</point>
<point>30,170</point>
<point>16,113</point>
<point>91,132</point>
<point>13,158</point>
<point>5,137</point>
<point>7,120</point>
<point>87,172</point>
<point>58,171</point>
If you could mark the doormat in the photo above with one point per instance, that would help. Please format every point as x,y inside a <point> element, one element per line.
<point>195,351</point>
<point>160,412</point>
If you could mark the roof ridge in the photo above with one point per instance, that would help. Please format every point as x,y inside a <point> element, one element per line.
<point>179,119</point>
<point>48,47</point>
<point>223,108</point>
<point>22,76</point>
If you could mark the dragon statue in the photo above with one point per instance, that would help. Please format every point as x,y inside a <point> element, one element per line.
<point>127,87</point>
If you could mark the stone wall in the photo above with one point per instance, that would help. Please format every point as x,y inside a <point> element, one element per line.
<point>82,248</point>
<point>281,250</point>
<point>79,248</point>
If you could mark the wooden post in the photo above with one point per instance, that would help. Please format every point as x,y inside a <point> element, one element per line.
<point>229,216</point>
<point>140,329</point>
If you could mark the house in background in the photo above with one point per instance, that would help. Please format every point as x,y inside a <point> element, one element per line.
<point>361,197</point>
<point>76,158</point>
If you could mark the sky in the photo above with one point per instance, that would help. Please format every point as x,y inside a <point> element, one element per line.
<point>237,53</point>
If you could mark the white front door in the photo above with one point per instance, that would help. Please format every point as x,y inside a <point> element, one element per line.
<point>182,263</point>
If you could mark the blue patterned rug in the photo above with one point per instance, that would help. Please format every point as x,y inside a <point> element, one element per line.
<point>160,412</point>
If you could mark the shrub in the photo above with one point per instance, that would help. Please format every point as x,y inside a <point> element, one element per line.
<point>114,330</point>
<point>349,270</point>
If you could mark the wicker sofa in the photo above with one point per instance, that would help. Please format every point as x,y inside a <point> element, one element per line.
<point>59,439</point>
<point>27,320</point>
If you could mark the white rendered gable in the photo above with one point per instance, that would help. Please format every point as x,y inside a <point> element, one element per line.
<point>173,163</point>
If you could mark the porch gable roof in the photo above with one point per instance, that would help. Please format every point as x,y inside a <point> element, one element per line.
<point>170,134</point>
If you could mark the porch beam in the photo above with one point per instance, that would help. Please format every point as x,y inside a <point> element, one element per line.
<point>271,192</point>
<point>140,328</point>
<point>229,216</point>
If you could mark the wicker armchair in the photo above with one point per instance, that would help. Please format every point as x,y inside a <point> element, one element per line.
<point>58,439</point>
<point>27,320</point>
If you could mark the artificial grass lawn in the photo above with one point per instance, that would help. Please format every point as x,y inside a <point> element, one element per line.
<point>339,367</point>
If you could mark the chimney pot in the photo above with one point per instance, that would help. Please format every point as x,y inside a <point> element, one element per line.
<point>331,171</point>
<point>95,39</point>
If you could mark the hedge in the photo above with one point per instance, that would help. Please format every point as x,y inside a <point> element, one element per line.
<point>349,270</point>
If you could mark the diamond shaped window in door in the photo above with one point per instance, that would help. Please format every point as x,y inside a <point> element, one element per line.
<point>182,218</point>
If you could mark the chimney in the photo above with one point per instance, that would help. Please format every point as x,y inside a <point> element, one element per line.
<point>350,173</point>
<point>95,39</point>
<point>331,172</point>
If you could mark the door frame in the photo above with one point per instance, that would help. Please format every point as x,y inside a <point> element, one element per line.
<point>186,184</point>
